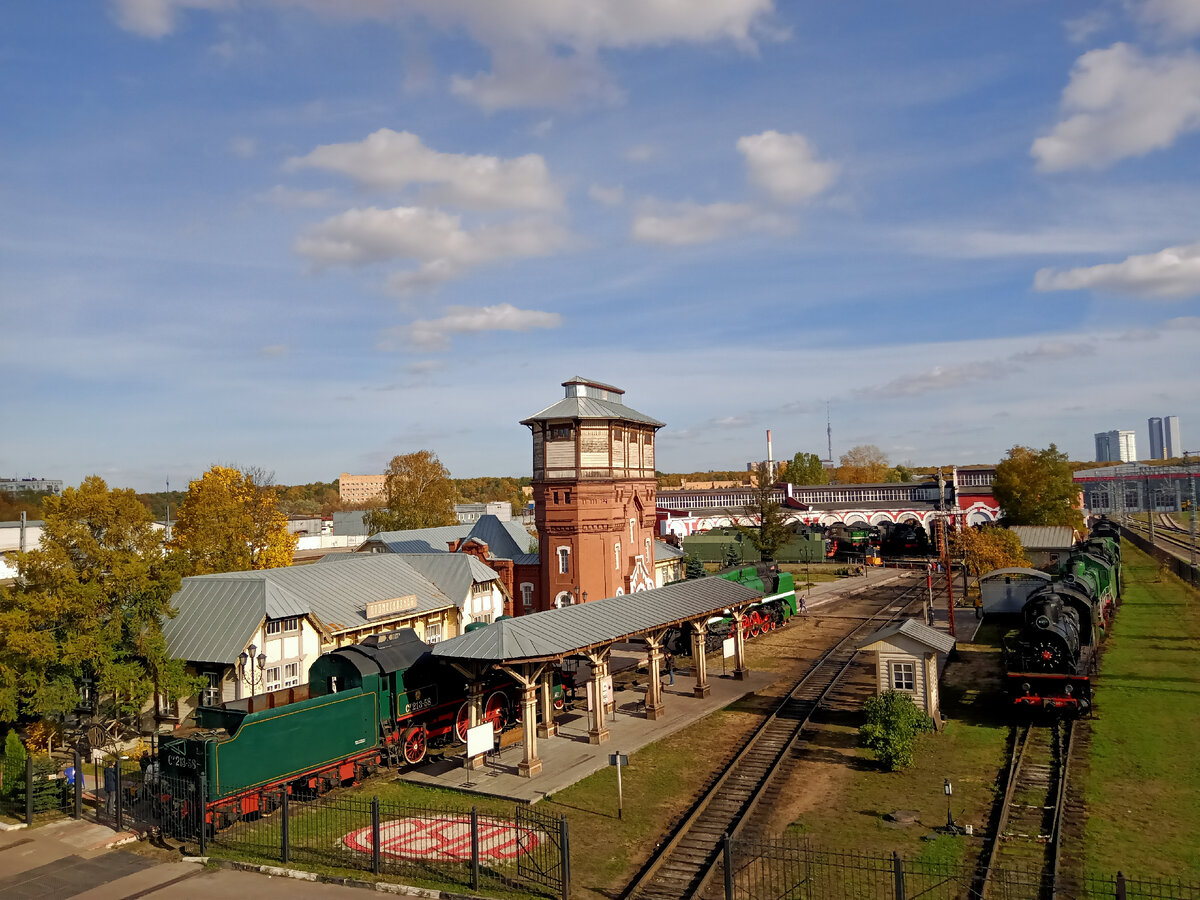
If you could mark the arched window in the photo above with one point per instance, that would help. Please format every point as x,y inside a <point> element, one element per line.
<point>564,560</point>
<point>617,556</point>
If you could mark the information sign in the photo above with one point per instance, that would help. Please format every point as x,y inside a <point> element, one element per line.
<point>480,739</point>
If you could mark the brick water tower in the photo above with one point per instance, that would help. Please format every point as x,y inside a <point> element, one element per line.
<point>593,494</point>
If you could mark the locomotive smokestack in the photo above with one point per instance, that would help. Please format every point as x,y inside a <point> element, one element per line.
<point>770,457</point>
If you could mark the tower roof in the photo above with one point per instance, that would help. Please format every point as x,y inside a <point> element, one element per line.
<point>589,399</point>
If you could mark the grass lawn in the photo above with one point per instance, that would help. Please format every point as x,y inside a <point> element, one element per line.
<point>1143,788</point>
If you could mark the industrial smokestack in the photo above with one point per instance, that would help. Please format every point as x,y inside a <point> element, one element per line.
<point>770,456</point>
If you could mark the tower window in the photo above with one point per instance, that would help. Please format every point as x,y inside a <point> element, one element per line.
<point>560,432</point>
<point>556,498</point>
<point>617,556</point>
<point>564,560</point>
<point>568,496</point>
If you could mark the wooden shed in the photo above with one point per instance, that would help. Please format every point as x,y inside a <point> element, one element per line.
<point>906,655</point>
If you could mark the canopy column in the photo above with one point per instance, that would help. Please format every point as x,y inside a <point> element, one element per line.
<point>739,645</point>
<point>699,663</point>
<point>597,731</point>
<point>547,727</point>
<point>475,692</point>
<point>530,764</point>
<point>654,700</point>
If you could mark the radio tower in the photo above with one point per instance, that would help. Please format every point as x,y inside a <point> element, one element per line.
<point>829,432</point>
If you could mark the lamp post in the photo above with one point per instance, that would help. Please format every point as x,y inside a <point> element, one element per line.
<point>247,656</point>
<point>951,828</point>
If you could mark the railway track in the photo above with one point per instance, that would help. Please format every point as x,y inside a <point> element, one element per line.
<point>1170,536</point>
<point>1024,857</point>
<point>686,861</point>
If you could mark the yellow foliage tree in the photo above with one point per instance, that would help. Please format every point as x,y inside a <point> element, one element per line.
<point>864,464</point>
<point>418,493</point>
<point>988,549</point>
<point>230,521</point>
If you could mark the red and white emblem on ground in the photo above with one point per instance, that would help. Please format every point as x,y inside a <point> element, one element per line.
<point>421,837</point>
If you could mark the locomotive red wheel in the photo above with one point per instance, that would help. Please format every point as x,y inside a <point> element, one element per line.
<point>560,702</point>
<point>496,711</point>
<point>414,743</point>
<point>461,723</point>
<point>756,624</point>
<point>745,624</point>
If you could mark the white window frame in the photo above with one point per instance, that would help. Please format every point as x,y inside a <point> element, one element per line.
<point>617,556</point>
<point>527,595</point>
<point>283,626</point>
<point>166,707</point>
<point>900,672</point>
<point>632,536</point>
<point>211,695</point>
<point>433,632</point>
<point>564,560</point>
<point>272,682</point>
<point>291,674</point>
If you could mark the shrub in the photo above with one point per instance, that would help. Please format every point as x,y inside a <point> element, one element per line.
<point>893,723</point>
<point>12,774</point>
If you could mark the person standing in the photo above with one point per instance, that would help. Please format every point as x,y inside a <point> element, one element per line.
<point>670,664</point>
<point>110,788</point>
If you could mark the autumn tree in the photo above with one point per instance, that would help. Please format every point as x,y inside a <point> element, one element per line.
<point>418,493</point>
<point>806,468</point>
<point>864,464</point>
<point>88,603</point>
<point>772,531</point>
<point>1037,487</point>
<point>987,549</point>
<point>230,521</point>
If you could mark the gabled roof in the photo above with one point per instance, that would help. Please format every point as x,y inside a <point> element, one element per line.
<point>437,539</point>
<point>1044,537</point>
<point>590,408</point>
<point>664,551</point>
<point>500,540</point>
<point>555,633</point>
<point>1017,570</point>
<point>219,613</point>
<point>454,573</point>
<point>911,628</point>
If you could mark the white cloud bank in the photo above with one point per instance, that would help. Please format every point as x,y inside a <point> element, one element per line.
<point>785,166</point>
<point>1170,274</point>
<point>544,52</point>
<point>433,334</point>
<point>1176,18</point>
<point>396,159</point>
<point>433,237</point>
<point>680,224</point>
<point>1121,104</point>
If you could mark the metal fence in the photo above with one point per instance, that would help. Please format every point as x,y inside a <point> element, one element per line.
<point>35,789</point>
<point>791,869</point>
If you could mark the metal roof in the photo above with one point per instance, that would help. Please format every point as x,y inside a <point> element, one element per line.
<point>1017,570</point>
<point>454,573</point>
<point>663,550</point>
<point>591,408</point>
<point>502,544</point>
<point>911,628</point>
<point>437,539</point>
<point>218,614</point>
<point>555,633</point>
<point>1044,537</point>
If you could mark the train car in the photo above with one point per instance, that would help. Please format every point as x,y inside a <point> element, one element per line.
<point>384,701</point>
<point>855,540</point>
<point>1050,660</point>
<point>906,539</point>
<point>777,606</point>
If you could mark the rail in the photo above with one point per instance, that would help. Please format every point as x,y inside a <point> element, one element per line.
<point>683,865</point>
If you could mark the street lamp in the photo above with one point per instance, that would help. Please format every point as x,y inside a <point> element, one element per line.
<point>951,828</point>
<point>245,657</point>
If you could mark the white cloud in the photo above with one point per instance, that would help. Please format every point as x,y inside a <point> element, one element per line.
<point>1170,274</point>
<point>607,196</point>
<point>157,18</point>
<point>243,147</point>
<point>434,334</point>
<point>1121,104</point>
<point>274,351</point>
<point>394,160</point>
<point>1183,323</point>
<point>785,166</point>
<point>435,238</point>
<point>679,224</point>
<point>942,378</point>
<point>424,366</point>
<point>530,76</point>
<point>640,153</point>
<point>967,242</point>
<point>1176,18</point>
<point>1082,28</point>
<point>293,198</point>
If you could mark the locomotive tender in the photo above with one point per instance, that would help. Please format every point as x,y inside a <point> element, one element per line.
<point>384,701</point>
<point>1051,659</point>
<point>776,607</point>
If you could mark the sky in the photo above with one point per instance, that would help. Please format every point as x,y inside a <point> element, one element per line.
<point>309,235</point>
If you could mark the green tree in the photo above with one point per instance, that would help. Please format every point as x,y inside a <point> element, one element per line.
<point>418,493</point>
<point>89,602</point>
<point>806,468</point>
<point>893,723</point>
<point>693,567</point>
<point>864,464</point>
<point>230,521</point>
<point>12,774</point>
<point>899,474</point>
<point>772,531</point>
<point>1037,487</point>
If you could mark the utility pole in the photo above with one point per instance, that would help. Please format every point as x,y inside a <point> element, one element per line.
<point>949,581</point>
<point>1151,506</point>
<point>1192,494</point>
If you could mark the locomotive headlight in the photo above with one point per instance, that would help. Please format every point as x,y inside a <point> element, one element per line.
<point>1025,687</point>
<point>1067,690</point>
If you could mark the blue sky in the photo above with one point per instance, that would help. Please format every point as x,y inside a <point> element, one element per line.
<point>309,235</point>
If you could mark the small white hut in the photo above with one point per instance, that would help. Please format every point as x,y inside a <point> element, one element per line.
<point>1005,590</point>
<point>906,655</point>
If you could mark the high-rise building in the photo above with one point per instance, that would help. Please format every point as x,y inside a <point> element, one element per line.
<point>1116,446</point>
<point>1172,443</point>
<point>1156,437</point>
<point>593,494</point>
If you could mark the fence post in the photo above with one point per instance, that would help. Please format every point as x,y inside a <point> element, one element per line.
<point>474,848</point>
<point>898,871</point>
<point>29,790</point>
<point>564,850</point>
<point>78,812</point>
<point>284,832</point>
<point>1120,885</point>
<point>120,802</point>
<point>375,867</point>
<point>727,862</point>
<point>203,814</point>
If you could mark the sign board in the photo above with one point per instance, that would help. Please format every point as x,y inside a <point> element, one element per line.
<point>729,647</point>
<point>607,690</point>
<point>618,759</point>
<point>480,739</point>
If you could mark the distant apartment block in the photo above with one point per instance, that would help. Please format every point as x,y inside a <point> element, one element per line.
<point>470,512</point>
<point>1156,437</point>
<point>360,488</point>
<point>1172,443</point>
<point>38,485</point>
<point>1116,446</point>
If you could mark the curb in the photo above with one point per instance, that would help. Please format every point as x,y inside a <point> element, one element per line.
<point>381,887</point>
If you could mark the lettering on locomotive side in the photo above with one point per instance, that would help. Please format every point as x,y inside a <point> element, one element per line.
<point>182,762</point>
<point>416,701</point>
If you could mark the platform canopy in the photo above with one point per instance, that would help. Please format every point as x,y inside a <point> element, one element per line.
<point>556,633</point>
